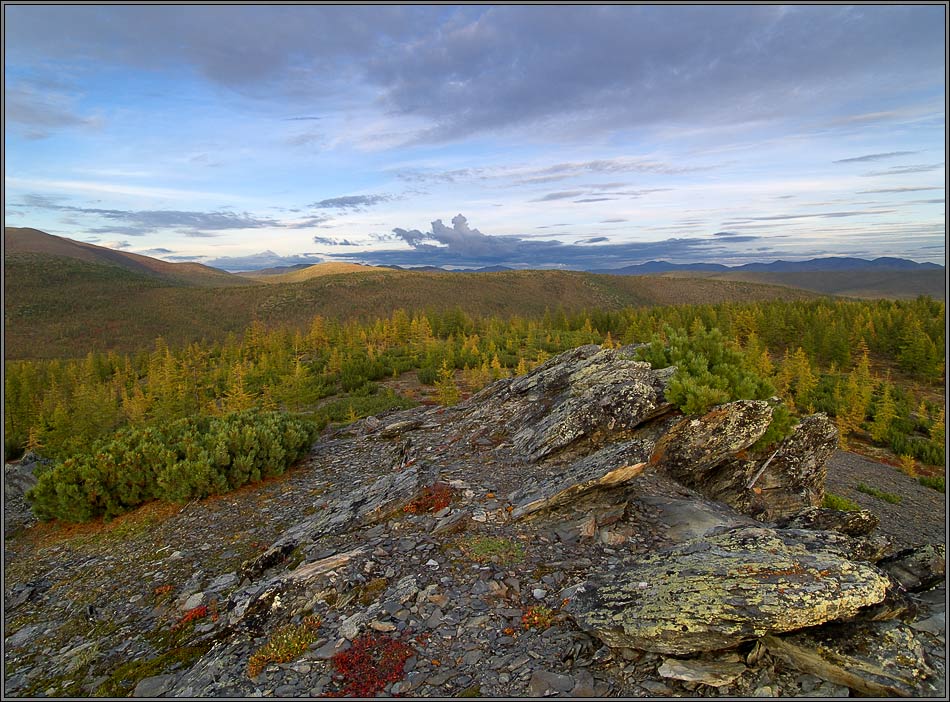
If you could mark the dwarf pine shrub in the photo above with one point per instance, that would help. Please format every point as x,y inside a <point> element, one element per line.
<point>175,461</point>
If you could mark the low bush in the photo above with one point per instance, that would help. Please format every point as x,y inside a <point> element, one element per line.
<point>934,482</point>
<point>176,461</point>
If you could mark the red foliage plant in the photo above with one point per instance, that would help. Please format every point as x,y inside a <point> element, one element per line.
<point>431,499</point>
<point>191,615</point>
<point>370,664</point>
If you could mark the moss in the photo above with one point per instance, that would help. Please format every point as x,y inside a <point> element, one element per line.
<point>369,592</point>
<point>842,504</point>
<point>493,549</point>
<point>879,494</point>
<point>122,680</point>
<point>471,691</point>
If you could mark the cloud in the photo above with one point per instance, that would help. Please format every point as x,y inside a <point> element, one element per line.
<point>463,246</point>
<point>351,202</point>
<point>595,199</point>
<point>592,240</point>
<point>901,170</point>
<point>116,244</point>
<point>462,71</point>
<point>563,195</point>
<point>156,252</point>
<point>875,157</point>
<point>37,111</point>
<point>333,242</point>
<point>141,222</point>
<point>898,190</point>
<point>613,221</point>
<point>264,259</point>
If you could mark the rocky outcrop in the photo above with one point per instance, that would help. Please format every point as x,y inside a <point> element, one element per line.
<point>881,659</point>
<point>769,487</point>
<point>590,395</point>
<point>719,591</point>
<point>918,569</point>
<point>856,523</point>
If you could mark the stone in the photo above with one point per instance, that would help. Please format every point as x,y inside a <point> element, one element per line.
<point>155,686</point>
<point>877,659</point>
<point>605,469</point>
<point>589,393</point>
<point>917,569</point>
<point>694,446</point>
<point>856,523</point>
<point>713,673</point>
<point>543,683</point>
<point>768,487</point>
<point>330,649</point>
<point>714,593</point>
<point>193,601</point>
<point>223,582</point>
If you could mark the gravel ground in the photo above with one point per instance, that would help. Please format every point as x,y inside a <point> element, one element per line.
<point>921,515</point>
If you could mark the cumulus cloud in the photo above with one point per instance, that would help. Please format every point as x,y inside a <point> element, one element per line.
<point>464,246</point>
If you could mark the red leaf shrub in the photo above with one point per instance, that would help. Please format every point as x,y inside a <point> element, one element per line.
<point>370,664</point>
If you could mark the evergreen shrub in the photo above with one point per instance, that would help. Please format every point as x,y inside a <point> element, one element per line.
<point>175,461</point>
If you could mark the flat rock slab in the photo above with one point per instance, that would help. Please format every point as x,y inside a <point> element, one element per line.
<point>718,591</point>
<point>713,673</point>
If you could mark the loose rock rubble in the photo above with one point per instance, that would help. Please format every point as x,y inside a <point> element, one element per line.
<point>565,533</point>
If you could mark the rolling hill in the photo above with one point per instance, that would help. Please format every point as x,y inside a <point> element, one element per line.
<point>57,305</point>
<point>867,283</point>
<point>294,274</point>
<point>25,242</point>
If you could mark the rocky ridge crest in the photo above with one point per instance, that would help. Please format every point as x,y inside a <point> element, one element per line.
<point>666,556</point>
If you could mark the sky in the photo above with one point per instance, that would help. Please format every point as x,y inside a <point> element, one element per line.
<point>580,137</point>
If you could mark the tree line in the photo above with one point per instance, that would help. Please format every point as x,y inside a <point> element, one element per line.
<point>877,367</point>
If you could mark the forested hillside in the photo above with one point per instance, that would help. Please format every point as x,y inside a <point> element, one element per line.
<point>876,367</point>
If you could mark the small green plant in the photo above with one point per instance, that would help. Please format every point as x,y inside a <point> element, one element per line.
<point>934,482</point>
<point>372,662</point>
<point>284,645</point>
<point>879,494</point>
<point>538,617</point>
<point>842,504</point>
<point>491,548</point>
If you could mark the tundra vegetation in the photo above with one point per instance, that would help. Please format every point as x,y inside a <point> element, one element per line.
<point>876,367</point>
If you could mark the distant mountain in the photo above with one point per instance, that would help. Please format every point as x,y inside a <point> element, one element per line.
<point>833,263</point>
<point>30,247</point>
<point>837,263</point>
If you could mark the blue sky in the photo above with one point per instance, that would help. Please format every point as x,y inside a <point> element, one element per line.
<point>465,136</point>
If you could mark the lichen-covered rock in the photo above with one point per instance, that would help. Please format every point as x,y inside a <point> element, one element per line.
<point>607,468</point>
<point>715,592</point>
<point>691,449</point>
<point>590,393</point>
<point>856,523</point>
<point>918,569</point>
<point>779,484</point>
<point>880,659</point>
